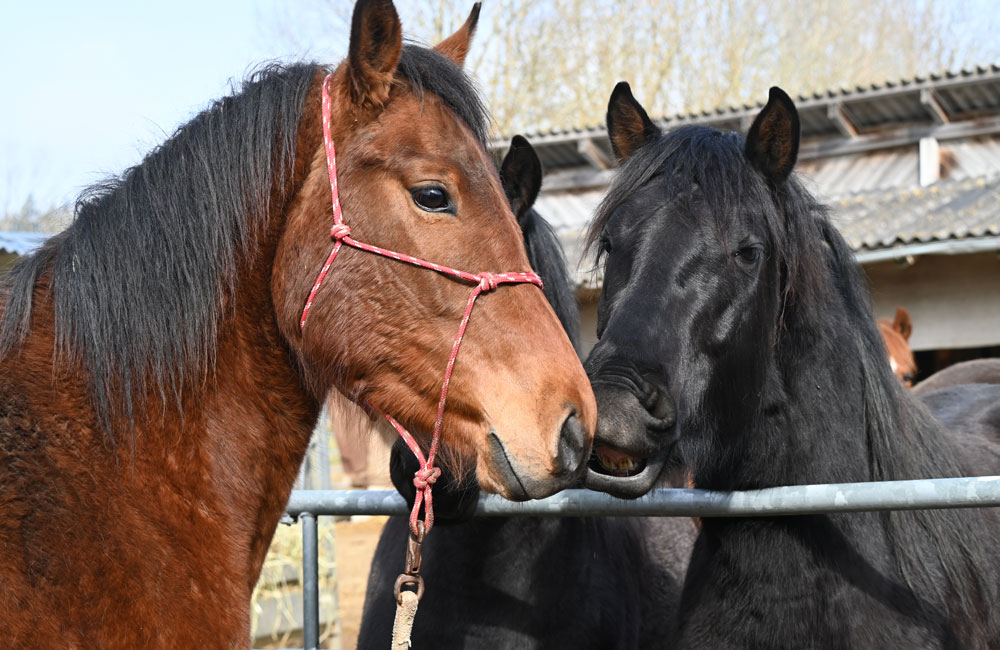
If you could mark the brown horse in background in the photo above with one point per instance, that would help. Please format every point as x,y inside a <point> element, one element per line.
<point>157,394</point>
<point>896,335</point>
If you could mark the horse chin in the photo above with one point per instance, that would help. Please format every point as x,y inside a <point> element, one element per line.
<point>632,486</point>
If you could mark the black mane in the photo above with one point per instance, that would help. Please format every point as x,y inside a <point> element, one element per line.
<point>547,259</point>
<point>140,279</point>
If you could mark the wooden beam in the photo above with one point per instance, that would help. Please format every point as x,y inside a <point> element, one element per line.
<point>901,137</point>
<point>930,101</point>
<point>837,114</point>
<point>593,154</point>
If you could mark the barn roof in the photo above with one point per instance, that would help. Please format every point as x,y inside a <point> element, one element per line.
<point>949,105</point>
<point>894,223</point>
<point>20,243</point>
<point>860,153</point>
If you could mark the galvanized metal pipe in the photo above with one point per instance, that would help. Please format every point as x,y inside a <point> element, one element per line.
<point>310,579</point>
<point>922,494</point>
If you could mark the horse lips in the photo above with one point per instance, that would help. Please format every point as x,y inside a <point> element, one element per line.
<point>617,463</point>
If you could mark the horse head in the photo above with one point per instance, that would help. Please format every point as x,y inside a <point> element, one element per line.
<point>896,336</point>
<point>687,237</point>
<point>414,176</point>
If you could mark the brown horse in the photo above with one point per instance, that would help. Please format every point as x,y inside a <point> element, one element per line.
<point>896,335</point>
<point>156,391</point>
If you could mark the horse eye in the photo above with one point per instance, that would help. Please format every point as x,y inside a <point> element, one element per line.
<point>604,244</point>
<point>431,198</point>
<point>748,254</point>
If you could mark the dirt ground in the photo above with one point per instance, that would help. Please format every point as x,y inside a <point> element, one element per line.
<point>355,542</point>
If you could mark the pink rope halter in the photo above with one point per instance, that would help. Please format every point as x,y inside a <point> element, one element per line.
<point>428,474</point>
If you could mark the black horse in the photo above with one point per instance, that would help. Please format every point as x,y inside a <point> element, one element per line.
<point>736,335</point>
<point>529,582</point>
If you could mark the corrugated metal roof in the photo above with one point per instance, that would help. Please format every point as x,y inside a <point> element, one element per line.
<point>944,211</point>
<point>20,243</point>
<point>966,94</point>
<point>853,173</point>
<point>948,211</point>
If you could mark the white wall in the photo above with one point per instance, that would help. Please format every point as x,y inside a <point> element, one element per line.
<point>953,300</point>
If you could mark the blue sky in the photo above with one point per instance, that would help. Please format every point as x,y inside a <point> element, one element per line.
<point>89,87</point>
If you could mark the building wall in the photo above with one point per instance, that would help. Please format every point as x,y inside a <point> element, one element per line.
<point>588,322</point>
<point>953,300</point>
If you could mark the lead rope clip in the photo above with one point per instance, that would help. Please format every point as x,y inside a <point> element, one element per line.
<point>407,599</point>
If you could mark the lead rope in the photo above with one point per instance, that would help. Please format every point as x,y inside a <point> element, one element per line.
<point>428,474</point>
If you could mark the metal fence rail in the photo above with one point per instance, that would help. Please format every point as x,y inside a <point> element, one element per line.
<point>793,500</point>
<point>975,492</point>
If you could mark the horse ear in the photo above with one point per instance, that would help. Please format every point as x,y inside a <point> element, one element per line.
<point>376,44</point>
<point>456,46</point>
<point>629,127</point>
<point>902,323</point>
<point>773,141</point>
<point>521,176</point>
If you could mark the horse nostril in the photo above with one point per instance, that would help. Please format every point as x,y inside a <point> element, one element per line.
<point>660,406</point>
<point>572,447</point>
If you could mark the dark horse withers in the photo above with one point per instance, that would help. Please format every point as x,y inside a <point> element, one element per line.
<point>737,340</point>
<point>157,394</point>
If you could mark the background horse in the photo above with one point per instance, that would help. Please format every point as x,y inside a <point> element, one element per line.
<point>157,391</point>
<point>531,582</point>
<point>976,371</point>
<point>729,294</point>
<point>896,336</point>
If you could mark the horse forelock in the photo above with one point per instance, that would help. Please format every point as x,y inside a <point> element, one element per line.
<point>427,71</point>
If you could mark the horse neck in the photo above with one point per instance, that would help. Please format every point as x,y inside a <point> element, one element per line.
<point>258,413</point>
<point>830,412</point>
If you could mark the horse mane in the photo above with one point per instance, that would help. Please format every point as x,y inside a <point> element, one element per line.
<point>905,441</point>
<point>546,256</point>
<point>139,280</point>
<point>825,292</point>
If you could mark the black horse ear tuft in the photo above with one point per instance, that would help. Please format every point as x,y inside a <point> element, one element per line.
<point>521,176</point>
<point>773,141</point>
<point>376,45</point>
<point>629,127</point>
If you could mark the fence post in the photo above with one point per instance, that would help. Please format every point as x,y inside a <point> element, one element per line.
<point>310,581</point>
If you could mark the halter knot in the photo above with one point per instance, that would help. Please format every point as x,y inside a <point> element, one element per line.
<point>340,231</point>
<point>487,281</point>
<point>425,477</point>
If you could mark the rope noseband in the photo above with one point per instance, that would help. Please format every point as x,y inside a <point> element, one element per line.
<point>483,282</point>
